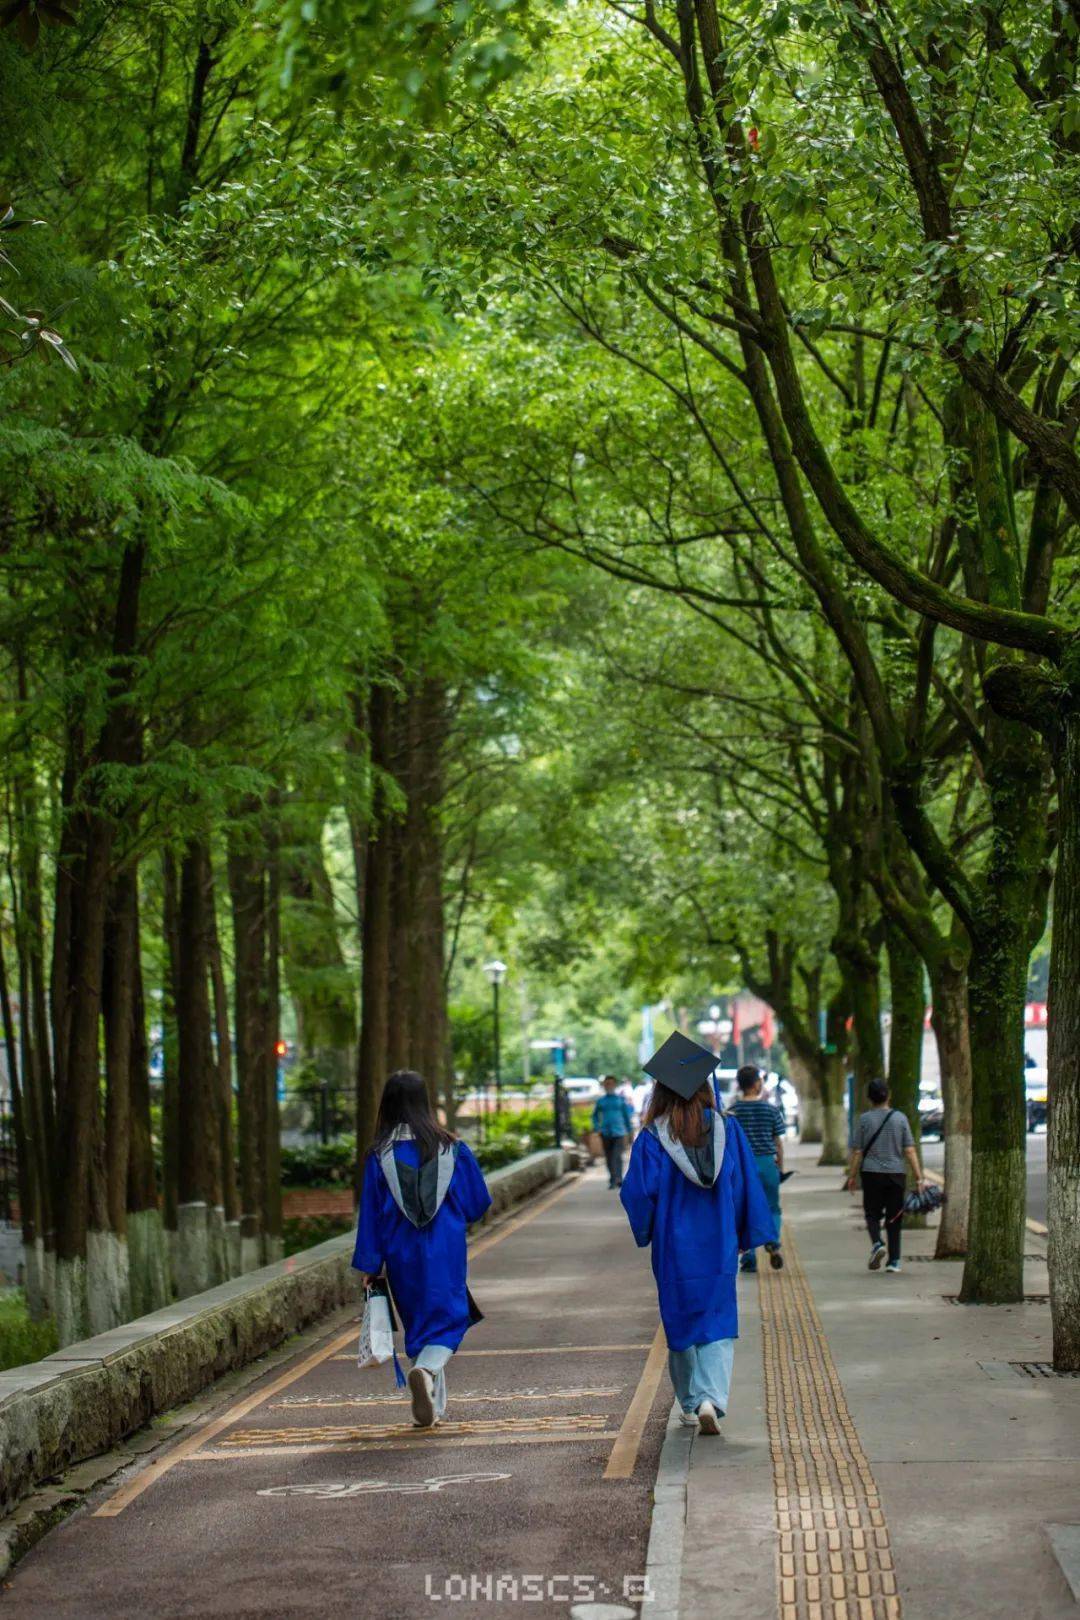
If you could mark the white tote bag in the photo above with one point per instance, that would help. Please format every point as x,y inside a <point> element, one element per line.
<point>376,1331</point>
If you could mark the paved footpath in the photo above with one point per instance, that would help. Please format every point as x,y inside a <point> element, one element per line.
<point>888,1451</point>
<point>888,1454</point>
<point>313,1496</point>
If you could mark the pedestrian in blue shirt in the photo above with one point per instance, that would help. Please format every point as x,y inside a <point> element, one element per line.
<point>692,1193</point>
<point>422,1190</point>
<point>764,1126</point>
<point>614,1119</point>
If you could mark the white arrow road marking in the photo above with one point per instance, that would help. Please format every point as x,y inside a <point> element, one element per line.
<point>333,1491</point>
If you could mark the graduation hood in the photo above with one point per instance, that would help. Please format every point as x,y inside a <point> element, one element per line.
<point>701,1165</point>
<point>418,1190</point>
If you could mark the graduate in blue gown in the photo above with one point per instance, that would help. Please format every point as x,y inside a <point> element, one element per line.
<point>692,1192</point>
<point>422,1190</point>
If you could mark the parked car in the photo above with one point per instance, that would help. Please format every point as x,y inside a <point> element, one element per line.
<point>1035,1090</point>
<point>578,1088</point>
<point>931,1115</point>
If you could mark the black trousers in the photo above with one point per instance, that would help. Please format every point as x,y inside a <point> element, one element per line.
<point>883,1200</point>
<point>613,1152</point>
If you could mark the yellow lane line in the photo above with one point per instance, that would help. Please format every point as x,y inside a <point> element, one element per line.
<point>158,1466</point>
<point>153,1471</point>
<point>624,1452</point>
<point>516,1222</point>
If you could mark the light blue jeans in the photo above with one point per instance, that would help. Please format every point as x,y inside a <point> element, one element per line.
<point>702,1373</point>
<point>433,1359</point>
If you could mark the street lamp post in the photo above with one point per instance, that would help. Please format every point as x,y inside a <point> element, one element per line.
<point>496,972</point>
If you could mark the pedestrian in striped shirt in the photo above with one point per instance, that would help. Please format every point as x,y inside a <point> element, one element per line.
<point>764,1127</point>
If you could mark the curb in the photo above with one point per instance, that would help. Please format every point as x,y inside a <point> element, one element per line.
<point>667,1532</point>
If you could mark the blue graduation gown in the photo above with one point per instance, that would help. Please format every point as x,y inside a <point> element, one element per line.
<point>696,1233</point>
<point>426,1265</point>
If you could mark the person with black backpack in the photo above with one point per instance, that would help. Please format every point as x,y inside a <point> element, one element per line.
<point>882,1147</point>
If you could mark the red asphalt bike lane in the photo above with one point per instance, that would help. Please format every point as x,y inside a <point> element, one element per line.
<point>311,1495</point>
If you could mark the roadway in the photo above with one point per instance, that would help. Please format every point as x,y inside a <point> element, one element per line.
<point>313,1495</point>
<point>934,1156</point>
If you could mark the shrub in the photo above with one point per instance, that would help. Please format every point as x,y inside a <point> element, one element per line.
<point>304,1231</point>
<point>320,1164</point>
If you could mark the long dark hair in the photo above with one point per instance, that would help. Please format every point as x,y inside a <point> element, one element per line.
<point>405,1102</point>
<point>685,1120</point>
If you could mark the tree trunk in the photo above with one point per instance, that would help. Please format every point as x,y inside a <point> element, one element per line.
<point>427,1013</point>
<point>170,1045</point>
<point>247,889</point>
<point>907,982</point>
<point>950,1020</point>
<point>1063,1020</point>
<point>811,1118</point>
<point>121,945</point>
<point>835,1134</point>
<point>200,1234</point>
<point>148,1247</point>
<point>37,1068</point>
<point>78,1114</point>
<point>997,990</point>
<point>25,1158</point>
<point>223,1064</point>
<point>371,1069</point>
<point>272,1228</point>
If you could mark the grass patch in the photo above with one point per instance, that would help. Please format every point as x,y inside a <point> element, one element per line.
<point>22,1340</point>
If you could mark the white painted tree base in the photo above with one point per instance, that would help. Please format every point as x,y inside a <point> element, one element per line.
<point>148,1262</point>
<point>38,1302</point>
<point>108,1297</point>
<point>834,1146</point>
<point>69,1301</point>
<point>811,1118</point>
<point>250,1254</point>
<point>952,1228</point>
<point>194,1250</point>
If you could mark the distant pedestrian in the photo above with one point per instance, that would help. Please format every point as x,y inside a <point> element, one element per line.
<point>614,1119</point>
<point>692,1193</point>
<point>764,1126</point>
<point>883,1147</point>
<point>422,1190</point>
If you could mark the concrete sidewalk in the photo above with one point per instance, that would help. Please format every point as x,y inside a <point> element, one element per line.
<point>883,1454</point>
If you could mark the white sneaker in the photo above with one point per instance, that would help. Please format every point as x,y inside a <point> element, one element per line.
<point>893,1265</point>
<point>422,1390</point>
<point>877,1255</point>
<point>689,1418</point>
<point>708,1422</point>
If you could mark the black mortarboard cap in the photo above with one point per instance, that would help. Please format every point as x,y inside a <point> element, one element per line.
<point>682,1065</point>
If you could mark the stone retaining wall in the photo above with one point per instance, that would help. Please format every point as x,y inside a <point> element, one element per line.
<point>83,1399</point>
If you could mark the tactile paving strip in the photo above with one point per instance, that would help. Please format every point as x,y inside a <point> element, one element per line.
<point>834,1561</point>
